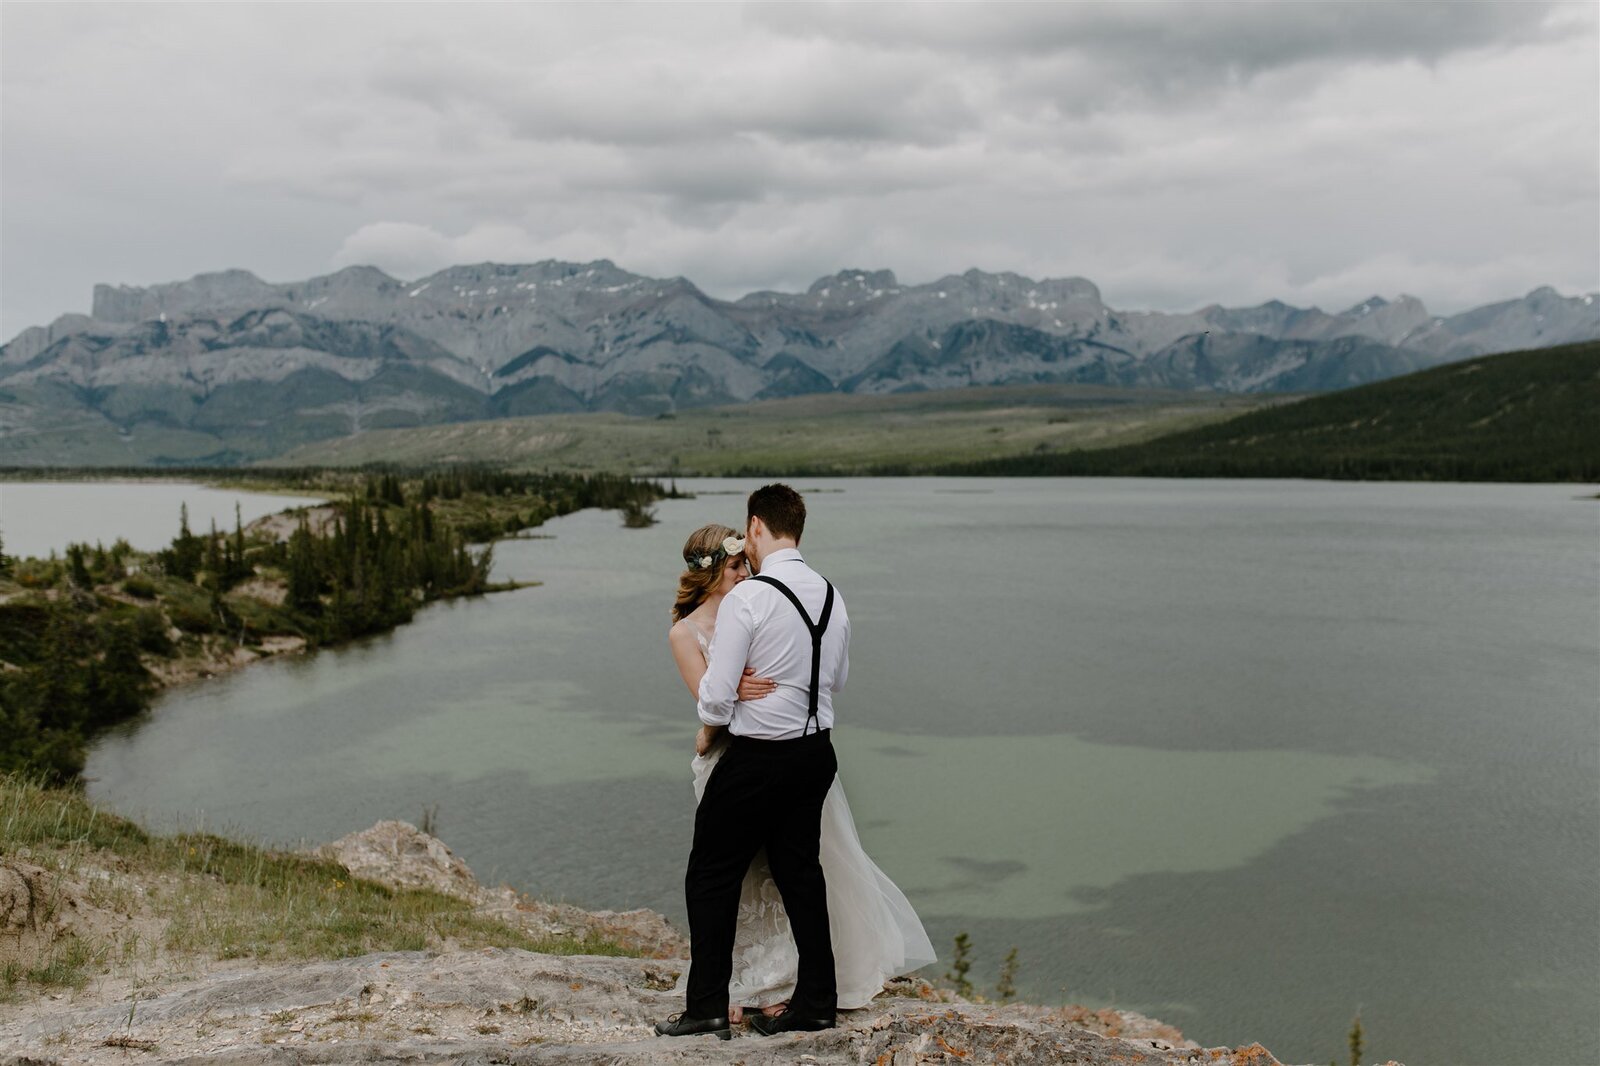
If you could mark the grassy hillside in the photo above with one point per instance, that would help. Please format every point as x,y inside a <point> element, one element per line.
<point>1518,416</point>
<point>820,433</point>
<point>34,435</point>
<point>108,897</point>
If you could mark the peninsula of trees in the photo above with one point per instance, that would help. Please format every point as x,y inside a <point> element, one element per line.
<point>87,638</point>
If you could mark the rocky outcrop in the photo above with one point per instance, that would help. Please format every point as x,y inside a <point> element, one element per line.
<point>502,1006</point>
<point>497,1006</point>
<point>400,855</point>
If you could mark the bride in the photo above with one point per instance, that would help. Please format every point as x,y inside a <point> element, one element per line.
<point>876,934</point>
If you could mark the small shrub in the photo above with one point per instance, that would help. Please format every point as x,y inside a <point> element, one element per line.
<point>150,630</point>
<point>140,586</point>
<point>960,965</point>
<point>193,617</point>
<point>636,515</point>
<point>1006,987</point>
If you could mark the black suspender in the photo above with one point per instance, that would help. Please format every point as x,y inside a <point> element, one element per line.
<point>817,629</point>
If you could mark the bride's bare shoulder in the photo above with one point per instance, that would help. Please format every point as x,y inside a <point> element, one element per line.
<point>694,622</point>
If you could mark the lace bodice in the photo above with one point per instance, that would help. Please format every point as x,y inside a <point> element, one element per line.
<point>702,637</point>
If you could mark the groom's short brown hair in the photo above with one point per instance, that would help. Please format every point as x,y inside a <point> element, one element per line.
<point>781,509</point>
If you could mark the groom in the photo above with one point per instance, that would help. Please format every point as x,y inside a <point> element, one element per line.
<point>789,624</point>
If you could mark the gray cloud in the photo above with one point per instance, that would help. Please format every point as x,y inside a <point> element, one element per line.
<point>1179,41</point>
<point>1176,154</point>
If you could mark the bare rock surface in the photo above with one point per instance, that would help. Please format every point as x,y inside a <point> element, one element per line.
<point>281,526</point>
<point>487,1006</point>
<point>509,1006</point>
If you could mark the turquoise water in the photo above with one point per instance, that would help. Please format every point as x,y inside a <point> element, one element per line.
<point>1243,755</point>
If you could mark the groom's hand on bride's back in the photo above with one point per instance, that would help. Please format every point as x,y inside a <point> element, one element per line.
<point>752,687</point>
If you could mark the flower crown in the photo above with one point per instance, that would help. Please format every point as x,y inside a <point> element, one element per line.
<point>729,546</point>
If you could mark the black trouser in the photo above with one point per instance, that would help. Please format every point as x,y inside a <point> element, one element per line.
<point>779,786</point>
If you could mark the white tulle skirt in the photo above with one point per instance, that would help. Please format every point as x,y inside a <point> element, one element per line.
<point>876,933</point>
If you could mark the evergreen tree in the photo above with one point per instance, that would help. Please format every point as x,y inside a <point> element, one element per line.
<point>77,570</point>
<point>213,556</point>
<point>238,568</point>
<point>184,557</point>
<point>305,581</point>
<point>118,685</point>
<point>49,701</point>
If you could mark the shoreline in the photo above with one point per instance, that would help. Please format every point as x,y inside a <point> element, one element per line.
<point>212,667</point>
<point>519,980</point>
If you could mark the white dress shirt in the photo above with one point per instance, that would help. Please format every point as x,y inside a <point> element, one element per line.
<point>758,626</point>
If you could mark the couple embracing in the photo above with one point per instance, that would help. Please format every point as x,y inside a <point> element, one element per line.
<point>788,917</point>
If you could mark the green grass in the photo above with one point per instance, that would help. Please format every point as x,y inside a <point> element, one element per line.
<point>1517,416</point>
<point>808,434</point>
<point>85,438</point>
<point>226,899</point>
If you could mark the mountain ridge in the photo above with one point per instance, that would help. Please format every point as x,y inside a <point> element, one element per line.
<point>263,366</point>
<point>340,293</point>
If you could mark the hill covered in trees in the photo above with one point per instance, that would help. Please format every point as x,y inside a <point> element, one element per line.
<point>1518,416</point>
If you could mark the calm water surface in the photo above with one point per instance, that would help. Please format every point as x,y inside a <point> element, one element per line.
<point>1245,756</point>
<point>38,517</point>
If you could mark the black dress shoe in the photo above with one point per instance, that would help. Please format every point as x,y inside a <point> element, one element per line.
<point>683,1025</point>
<point>788,1022</point>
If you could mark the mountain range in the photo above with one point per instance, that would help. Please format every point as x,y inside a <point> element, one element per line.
<point>226,366</point>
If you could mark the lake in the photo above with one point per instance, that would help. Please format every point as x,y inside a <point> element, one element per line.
<point>1243,755</point>
<point>38,517</point>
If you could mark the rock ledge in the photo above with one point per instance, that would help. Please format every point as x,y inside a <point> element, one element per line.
<point>508,1006</point>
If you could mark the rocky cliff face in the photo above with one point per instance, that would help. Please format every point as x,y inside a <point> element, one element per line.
<point>264,366</point>
<point>495,1005</point>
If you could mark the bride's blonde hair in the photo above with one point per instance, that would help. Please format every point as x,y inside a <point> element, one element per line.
<point>694,585</point>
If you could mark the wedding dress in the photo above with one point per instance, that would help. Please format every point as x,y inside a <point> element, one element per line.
<point>876,933</point>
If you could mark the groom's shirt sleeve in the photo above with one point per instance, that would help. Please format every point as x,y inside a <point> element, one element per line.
<point>844,658</point>
<point>719,689</point>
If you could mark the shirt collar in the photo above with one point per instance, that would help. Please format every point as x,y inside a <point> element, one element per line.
<point>782,555</point>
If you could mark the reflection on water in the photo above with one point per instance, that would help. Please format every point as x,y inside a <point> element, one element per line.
<point>1310,736</point>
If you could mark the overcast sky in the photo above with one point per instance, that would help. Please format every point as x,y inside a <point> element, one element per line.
<point>1176,155</point>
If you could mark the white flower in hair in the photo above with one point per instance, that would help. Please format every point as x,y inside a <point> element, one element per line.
<point>705,561</point>
<point>733,545</point>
